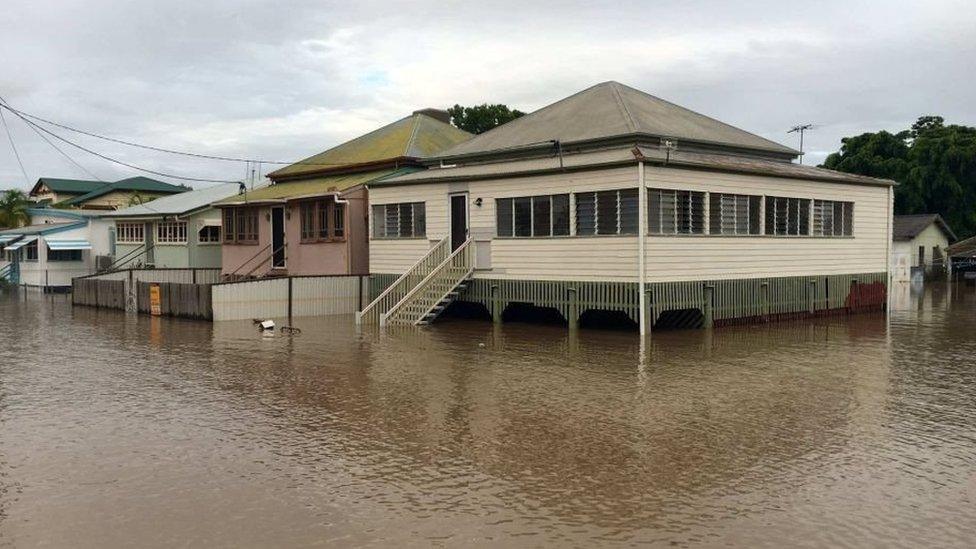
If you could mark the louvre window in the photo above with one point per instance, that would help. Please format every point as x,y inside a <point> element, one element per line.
<point>407,220</point>
<point>171,232</point>
<point>734,214</point>
<point>833,218</point>
<point>787,216</point>
<point>533,216</point>
<point>675,212</point>
<point>607,212</point>
<point>338,220</point>
<point>130,233</point>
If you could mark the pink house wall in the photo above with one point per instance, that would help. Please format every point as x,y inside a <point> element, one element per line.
<point>315,258</point>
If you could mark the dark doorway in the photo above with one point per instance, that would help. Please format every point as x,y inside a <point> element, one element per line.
<point>278,238</point>
<point>459,220</point>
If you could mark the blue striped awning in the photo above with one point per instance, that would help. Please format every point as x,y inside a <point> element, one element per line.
<point>74,244</point>
<point>21,243</point>
<point>4,238</point>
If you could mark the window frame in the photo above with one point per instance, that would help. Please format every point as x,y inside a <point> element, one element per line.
<point>381,218</point>
<point>231,228</point>
<point>54,255</point>
<point>513,209</point>
<point>683,202</point>
<point>603,225</point>
<point>125,229</point>
<point>317,220</point>
<point>176,233</point>
<point>210,240</point>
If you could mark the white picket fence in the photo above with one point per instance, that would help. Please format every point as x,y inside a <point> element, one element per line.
<point>303,295</point>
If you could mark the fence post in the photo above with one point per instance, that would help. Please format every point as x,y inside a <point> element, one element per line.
<point>290,279</point>
<point>574,312</point>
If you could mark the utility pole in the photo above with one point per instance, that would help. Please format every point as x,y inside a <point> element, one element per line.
<point>800,129</point>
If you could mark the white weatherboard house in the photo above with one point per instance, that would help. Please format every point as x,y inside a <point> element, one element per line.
<point>178,231</point>
<point>58,245</point>
<point>615,200</point>
<point>920,244</point>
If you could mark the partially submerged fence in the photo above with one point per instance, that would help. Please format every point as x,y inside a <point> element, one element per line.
<point>183,292</point>
<point>292,296</point>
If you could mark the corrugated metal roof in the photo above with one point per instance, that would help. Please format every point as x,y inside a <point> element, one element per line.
<point>132,184</point>
<point>963,248</point>
<point>907,227</point>
<point>607,110</point>
<point>69,186</point>
<point>44,228</point>
<point>311,187</point>
<point>414,136</point>
<point>181,203</point>
<point>677,159</point>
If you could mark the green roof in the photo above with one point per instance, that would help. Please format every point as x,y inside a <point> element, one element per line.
<point>68,186</point>
<point>415,136</point>
<point>132,184</point>
<point>288,190</point>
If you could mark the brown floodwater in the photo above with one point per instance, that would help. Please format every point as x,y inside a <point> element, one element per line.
<point>121,430</point>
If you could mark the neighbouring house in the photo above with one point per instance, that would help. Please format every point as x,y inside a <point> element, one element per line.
<point>312,219</point>
<point>178,231</point>
<point>919,243</point>
<point>99,195</point>
<point>57,246</point>
<point>615,203</point>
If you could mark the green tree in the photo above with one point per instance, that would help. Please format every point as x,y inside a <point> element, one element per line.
<point>13,209</point>
<point>481,118</point>
<point>933,163</point>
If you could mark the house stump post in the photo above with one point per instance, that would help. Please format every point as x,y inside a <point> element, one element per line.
<point>496,304</point>
<point>574,307</point>
<point>709,299</point>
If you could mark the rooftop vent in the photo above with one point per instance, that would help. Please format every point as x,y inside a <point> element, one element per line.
<point>437,114</point>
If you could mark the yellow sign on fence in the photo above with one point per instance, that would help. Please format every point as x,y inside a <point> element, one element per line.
<point>154,300</point>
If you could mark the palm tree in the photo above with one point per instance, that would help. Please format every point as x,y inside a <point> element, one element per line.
<point>13,209</point>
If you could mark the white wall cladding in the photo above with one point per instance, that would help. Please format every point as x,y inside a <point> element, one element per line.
<point>268,298</point>
<point>670,258</point>
<point>264,298</point>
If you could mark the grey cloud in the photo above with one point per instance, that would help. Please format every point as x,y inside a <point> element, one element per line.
<point>276,79</point>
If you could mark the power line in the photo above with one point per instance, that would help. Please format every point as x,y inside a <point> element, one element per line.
<point>165,150</point>
<point>110,159</point>
<point>55,147</point>
<point>14,147</point>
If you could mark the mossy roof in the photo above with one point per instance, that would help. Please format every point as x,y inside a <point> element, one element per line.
<point>288,190</point>
<point>415,136</point>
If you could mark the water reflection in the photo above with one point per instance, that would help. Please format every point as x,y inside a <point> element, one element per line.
<point>805,433</point>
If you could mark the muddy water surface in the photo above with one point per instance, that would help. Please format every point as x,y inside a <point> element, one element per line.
<point>119,430</point>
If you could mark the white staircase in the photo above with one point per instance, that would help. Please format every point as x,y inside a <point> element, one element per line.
<point>422,293</point>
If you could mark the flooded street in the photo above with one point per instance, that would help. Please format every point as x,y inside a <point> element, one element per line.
<point>120,430</point>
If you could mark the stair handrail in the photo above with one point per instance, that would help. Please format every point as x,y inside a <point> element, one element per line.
<point>422,285</point>
<point>284,247</point>
<point>370,311</point>
<point>116,265</point>
<point>250,259</point>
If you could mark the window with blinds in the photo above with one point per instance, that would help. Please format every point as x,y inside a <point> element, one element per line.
<point>787,216</point>
<point>607,212</point>
<point>675,212</point>
<point>406,220</point>
<point>833,218</point>
<point>734,214</point>
<point>532,216</point>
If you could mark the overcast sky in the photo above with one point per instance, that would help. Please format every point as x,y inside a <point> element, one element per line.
<point>282,80</point>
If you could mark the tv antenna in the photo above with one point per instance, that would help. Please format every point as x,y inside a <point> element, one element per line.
<point>800,129</point>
